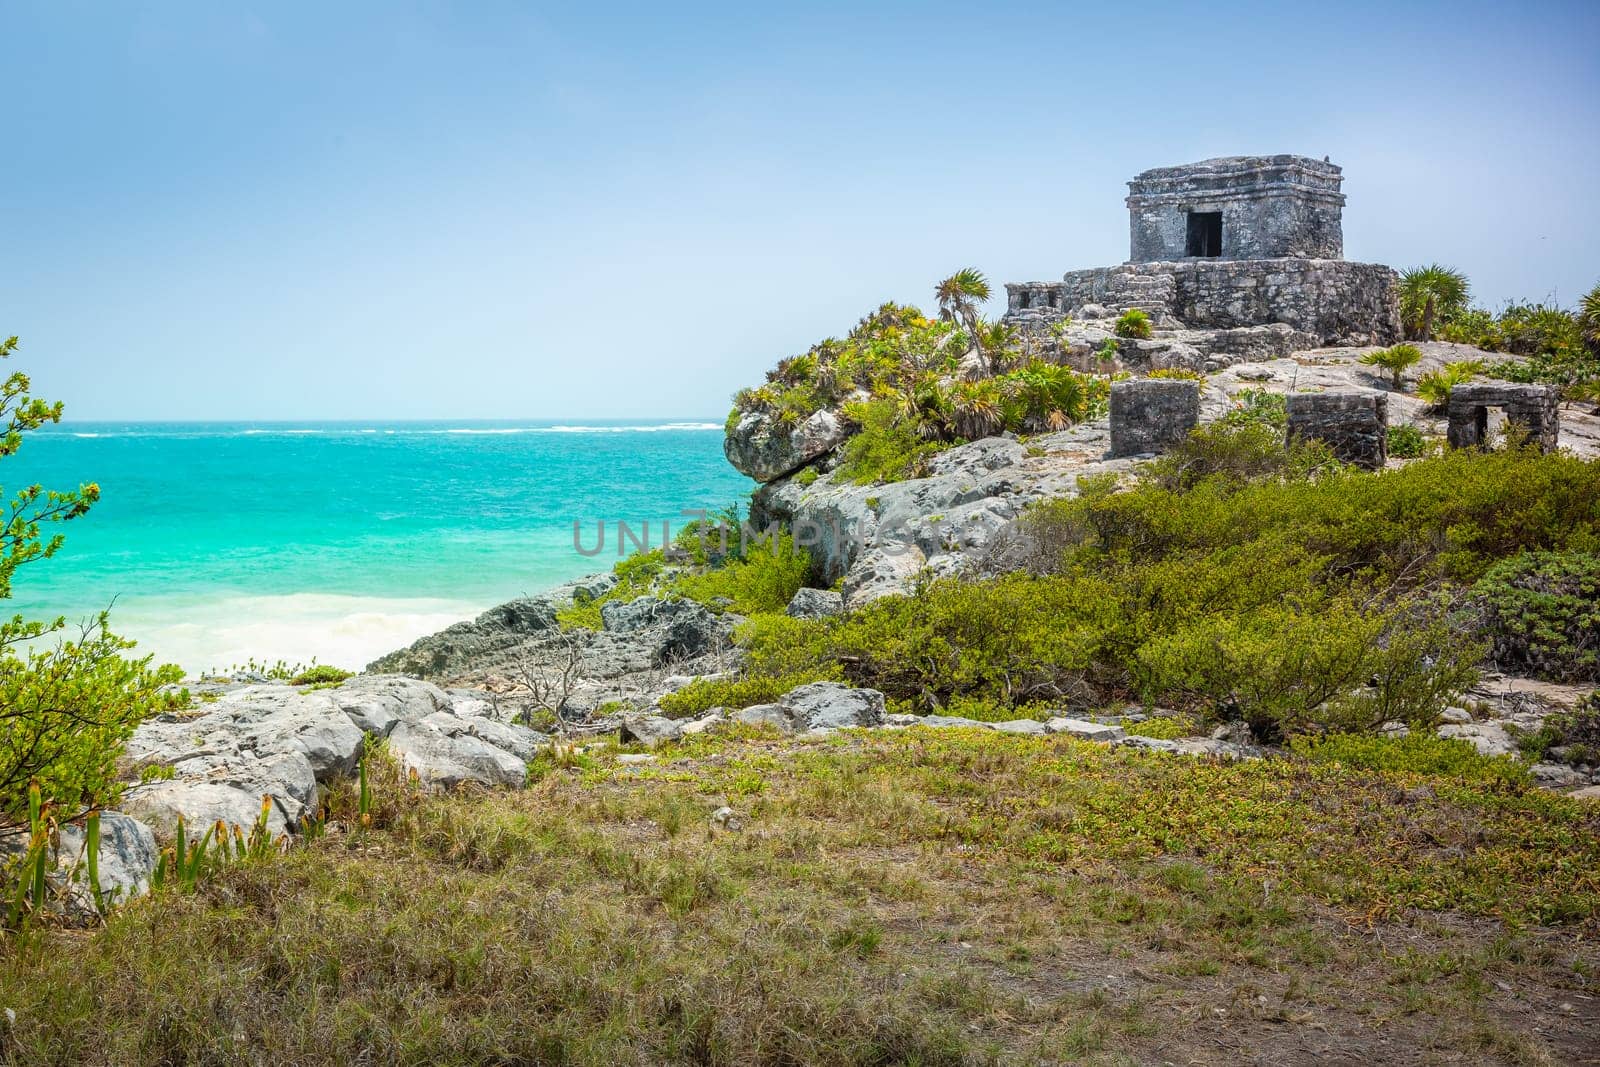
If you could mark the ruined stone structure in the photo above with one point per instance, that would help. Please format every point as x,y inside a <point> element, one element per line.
<point>1535,409</point>
<point>1354,424</point>
<point>1241,207</point>
<point>1227,243</point>
<point>1152,414</point>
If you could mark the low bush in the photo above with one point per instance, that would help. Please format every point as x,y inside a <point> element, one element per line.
<point>1299,603</point>
<point>1418,753</point>
<point>1258,406</point>
<point>1542,612</point>
<point>1133,323</point>
<point>321,674</point>
<point>1406,441</point>
<point>1177,373</point>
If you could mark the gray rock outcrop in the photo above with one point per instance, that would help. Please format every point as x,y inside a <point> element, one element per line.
<point>762,448</point>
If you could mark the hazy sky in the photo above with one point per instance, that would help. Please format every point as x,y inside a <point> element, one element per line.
<point>302,210</point>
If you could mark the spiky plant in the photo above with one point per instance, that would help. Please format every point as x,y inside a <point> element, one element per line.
<point>1589,319</point>
<point>1428,294</point>
<point>1434,387</point>
<point>1396,361</point>
<point>960,296</point>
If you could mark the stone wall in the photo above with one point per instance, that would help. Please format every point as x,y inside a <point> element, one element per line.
<point>1355,425</point>
<point>1533,408</point>
<point>1152,414</point>
<point>1270,206</point>
<point>1336,301</point>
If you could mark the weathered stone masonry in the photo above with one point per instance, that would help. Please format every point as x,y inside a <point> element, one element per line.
<point>1354,424</point>
<point>1227,243</point>
<point>1152,414</point>
<point>1533,408</point>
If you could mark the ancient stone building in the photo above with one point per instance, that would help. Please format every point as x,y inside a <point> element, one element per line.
<point>1227,243</point>
<point>1241,207</point>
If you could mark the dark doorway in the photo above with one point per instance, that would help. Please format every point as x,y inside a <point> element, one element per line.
<point>1022,299</point>
<point>1205,234</point>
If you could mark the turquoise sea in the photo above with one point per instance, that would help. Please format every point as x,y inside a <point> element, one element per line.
<point>215,543</point>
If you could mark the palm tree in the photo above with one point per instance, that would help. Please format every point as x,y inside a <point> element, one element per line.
<point>1589,319</point>
<point>1428,294</point>
<point>959,298</point>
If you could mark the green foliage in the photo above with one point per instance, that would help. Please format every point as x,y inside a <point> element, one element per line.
<point>705,693</point>
<point>898,432</point>
<point>1542,611</point>
<point>1578,729</point>
<point>1434,387</point>
<point>1396,360</point>
<point>724,570</point>
<point>1258,406</point>
<point>886,447</point>
<point>1244,449</point>
<point>1133,323</point>
<point>320,675</point>
<point>1296,602</point>
<point>1177,373</point>
<point>1417,754</point>
<point>1429,294</point>
<point>808,476</point>
<point>1406,441</point>
<point>1589,320</point>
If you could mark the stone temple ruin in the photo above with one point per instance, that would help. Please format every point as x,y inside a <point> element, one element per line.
<point>1227,245</point>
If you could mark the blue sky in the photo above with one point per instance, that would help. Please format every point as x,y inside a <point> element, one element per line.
<point>311,210</point>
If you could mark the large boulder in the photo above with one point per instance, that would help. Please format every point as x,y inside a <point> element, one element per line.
<point>820,706</point>
<point>445,754</point>
<point>815,604</point>
<point>672,629</point>
<point>761,447</point>
<point>454,650</point>
<point>202,805</point>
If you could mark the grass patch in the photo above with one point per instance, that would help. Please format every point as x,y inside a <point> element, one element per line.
<point>918,897</point>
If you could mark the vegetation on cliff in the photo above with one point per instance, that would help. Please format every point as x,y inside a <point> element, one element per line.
<point>1230,582</point>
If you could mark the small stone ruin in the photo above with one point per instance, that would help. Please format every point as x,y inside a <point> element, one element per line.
<point>1534,409</point>
<point>1152,414</point>
<point>1354,424</point>
<point>1231,243</point>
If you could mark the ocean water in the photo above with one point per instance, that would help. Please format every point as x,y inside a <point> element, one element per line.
<point>216,543</point>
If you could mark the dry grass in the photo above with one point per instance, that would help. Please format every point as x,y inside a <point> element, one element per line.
<point>912,898</point>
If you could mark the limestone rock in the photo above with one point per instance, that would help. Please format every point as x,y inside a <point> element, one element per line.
<point>202,805</point>
<point>440,759</point>
<point>761,448</point>
<point>1085,730</point>
<point>829,705</point>
<point>815,604</point>
<point>128,857</point>
<point>1489,738</point>
<point>649,730</point>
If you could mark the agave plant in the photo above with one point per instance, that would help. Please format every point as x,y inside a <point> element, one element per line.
<point>1428,294</point>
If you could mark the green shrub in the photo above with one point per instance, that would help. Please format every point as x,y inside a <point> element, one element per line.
<point>1578,730</point>
<point>1133,323</point>
<point>1258,406</point>
<point>1396,360</point>
<point>886,447</point>
<point>321,674</point>
<point>808,477</point>
<point>733,693</point>
<point>1240,451</point>
<point>1542,612</point>
<point>1415,754</point>
<point>1406,441</point>
<point>65,711</point>
<point>1177,373</point>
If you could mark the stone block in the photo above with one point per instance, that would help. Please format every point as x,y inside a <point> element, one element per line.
<point>1354,424</point>
<point>1152,414</point>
